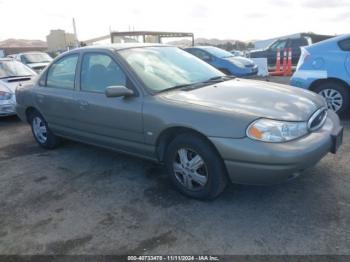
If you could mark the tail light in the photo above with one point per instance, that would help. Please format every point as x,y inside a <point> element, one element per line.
<point>305,55</point>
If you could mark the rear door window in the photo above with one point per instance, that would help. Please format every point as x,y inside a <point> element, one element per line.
<point>344,44</point>
<point>281,44</point>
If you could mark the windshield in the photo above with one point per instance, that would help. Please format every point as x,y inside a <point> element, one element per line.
<point>218,52</point>
<point>13,68</point>
<point>37,58</point>
<point>161,68</point>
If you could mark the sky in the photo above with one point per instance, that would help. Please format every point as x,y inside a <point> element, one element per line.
<point>224,19</point>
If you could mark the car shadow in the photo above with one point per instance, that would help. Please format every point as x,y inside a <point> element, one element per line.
<point>5,120</point>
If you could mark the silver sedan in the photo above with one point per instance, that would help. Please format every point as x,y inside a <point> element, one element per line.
<point>12,75</point>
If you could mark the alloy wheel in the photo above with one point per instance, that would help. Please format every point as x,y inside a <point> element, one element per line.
<point>190,169</point>
<point>39,129</point>
<point>333,98</point>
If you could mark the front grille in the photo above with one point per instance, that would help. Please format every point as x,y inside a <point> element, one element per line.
<point>317,119</point>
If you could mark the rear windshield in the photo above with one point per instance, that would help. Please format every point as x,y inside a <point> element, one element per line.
<point>37,58</point>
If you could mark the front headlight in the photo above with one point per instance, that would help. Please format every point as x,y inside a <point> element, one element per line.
<point>268,130</point>
<point>5,95</point>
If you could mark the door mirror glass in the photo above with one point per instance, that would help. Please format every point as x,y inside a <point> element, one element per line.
<point>118,91</point>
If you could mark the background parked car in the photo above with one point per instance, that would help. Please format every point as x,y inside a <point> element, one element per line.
<point>225,61</point>
<point>325,68</point>
<point>295,43</point>
<point>35,60</point>
<point>237,53</point>
<point>12,74</point>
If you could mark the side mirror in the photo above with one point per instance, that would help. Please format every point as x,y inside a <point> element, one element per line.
<point>118,91</point>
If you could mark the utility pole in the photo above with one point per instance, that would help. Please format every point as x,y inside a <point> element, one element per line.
<point>77,44</point>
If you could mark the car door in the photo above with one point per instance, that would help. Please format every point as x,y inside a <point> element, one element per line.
<point>296,44</point>
<point>54,94</point>
<point>110,121</point>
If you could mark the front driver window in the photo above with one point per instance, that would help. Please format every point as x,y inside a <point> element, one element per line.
<point>279,45</point>
<point>99,71</point>
<point>62,73</point>
<point>201,54</point>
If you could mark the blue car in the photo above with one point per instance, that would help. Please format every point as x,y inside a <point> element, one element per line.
<point>225,61</point>
<point>325,69</point>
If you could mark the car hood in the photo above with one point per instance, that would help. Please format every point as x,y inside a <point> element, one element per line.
<point>252,98</point>
<point>244,61</point>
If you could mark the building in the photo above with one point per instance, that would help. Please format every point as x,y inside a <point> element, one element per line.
<point>14,46</point>
<point>58,41</point>
<point>147,36</point>
<point>138,37</point>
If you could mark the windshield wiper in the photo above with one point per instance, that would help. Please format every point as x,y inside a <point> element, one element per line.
<point>174,87</point>
<point>220,78</point>
<point>199,84</point>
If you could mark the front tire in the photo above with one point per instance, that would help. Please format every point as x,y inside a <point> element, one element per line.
<point>41,131</point>
<point>194,167</point>
<point>336,95</point>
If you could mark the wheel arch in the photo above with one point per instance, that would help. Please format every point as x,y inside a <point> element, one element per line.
<point>30,110</point>
<point>318,82</point>
<point>169,134</point>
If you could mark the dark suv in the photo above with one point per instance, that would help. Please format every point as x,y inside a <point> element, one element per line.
<point>294,42</point>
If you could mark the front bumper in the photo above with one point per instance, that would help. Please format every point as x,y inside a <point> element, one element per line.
<point>259,163</point>
<point>247,72</point>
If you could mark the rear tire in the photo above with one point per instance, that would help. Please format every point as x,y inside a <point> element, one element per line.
<point>41,131</point>
<point>336,95</point>
<point>203,178</point>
